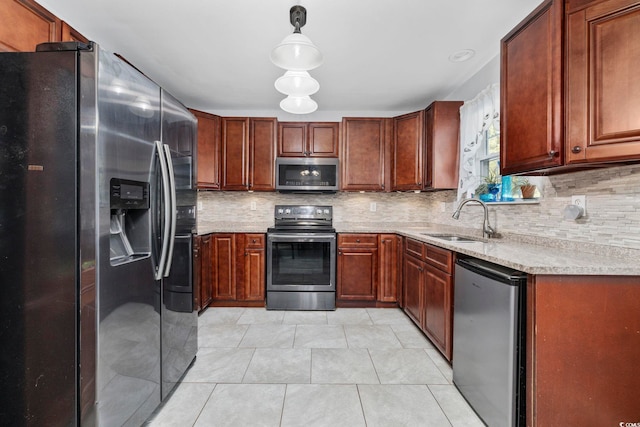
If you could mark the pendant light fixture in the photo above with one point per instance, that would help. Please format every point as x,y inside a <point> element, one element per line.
<point>297,54</point>
<point>297,83</point>
<point>298,104</point>
<point>296,51</point>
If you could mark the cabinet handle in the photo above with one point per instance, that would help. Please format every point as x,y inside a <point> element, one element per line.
<point>253,241</point>
<point>384,242</point>
<point>576,149</point>
<point>553,153</point>
<point>339,253</point>
<point>246,254</point>
<point>420,269</point>
<point>357,240</point>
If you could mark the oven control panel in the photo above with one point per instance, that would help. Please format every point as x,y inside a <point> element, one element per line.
<point>303,212</point>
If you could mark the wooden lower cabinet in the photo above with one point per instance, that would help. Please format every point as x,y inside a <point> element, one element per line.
<point>367,270</point>
<point>232,269</point>
<point>438,316</point>
<point>389,267</point>
<point>253,280</point>
<point>202,279</point>
<point>428,292</point>
<point>357,267</point>
<point>413,288</point>
<point>583,350</point>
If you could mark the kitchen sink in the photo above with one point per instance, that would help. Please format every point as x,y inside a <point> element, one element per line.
<point>453,238</point>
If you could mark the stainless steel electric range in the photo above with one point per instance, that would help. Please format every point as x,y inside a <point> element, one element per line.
<point>301,259</point>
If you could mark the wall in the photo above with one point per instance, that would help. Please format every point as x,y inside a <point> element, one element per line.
<point>613,208</point>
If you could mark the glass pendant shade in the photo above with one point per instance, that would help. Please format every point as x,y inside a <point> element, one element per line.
<point>297,53</point>
<point>298,105</point>
<point>297,83</point>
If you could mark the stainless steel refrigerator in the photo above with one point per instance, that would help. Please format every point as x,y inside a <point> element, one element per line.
<point>89,328</point>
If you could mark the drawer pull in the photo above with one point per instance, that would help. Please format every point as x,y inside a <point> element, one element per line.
<point>576,149</point>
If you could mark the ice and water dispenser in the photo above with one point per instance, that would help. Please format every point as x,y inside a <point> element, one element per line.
<point>130,226</point>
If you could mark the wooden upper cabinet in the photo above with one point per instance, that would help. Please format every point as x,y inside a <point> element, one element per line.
<point>531,123</point>
<point>25,24</point>
<point>70,34</point>
<point>262,154</point>
<point>408,167</point>
<point>365,153</point>
<point>442,131</point>
<point>208,150</point>
<point>308,139</point>
<point>603,83</point>
<point>235,153</point>
<point>248,153</point>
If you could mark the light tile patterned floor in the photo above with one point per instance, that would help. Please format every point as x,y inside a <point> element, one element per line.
<point>349,367</point>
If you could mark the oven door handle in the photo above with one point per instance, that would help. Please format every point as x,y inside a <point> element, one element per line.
<point>301,237</point>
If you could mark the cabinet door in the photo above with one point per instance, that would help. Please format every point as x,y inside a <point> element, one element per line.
<point>202,264</point>
<point>389,266</point>
<point>357,274</point>
<point>254,275</point>
<point>208,150</point>
<point>292,139</point>
<point>70,34</point>
<point>253,281</point>
<point>603,88</point>
<point>437,309</point>
<point>442,130</point>
<point>224,267</point>
<point>364,159</point>
<point>531,122</point>
<point>235,153</point>
<point>25,25</point>
<point>322,139</point>
<point>413,282</point>
<point>263,154</point>
<point>408,164</point>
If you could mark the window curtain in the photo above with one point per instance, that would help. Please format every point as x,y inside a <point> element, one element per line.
<point>476,116</point>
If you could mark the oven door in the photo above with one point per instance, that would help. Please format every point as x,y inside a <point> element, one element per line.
<point>301,262</point>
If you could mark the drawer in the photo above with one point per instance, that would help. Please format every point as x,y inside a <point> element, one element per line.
<point>358,240</point>
<point>254,241</point>
<point>415,248</point>
<point>439,258</point>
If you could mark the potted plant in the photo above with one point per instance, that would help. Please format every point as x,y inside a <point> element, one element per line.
<point>527,189</point>
<point>493,184</point>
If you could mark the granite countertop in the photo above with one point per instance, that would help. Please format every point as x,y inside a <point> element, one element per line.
<point>535,258</point>
<point>525,253</point>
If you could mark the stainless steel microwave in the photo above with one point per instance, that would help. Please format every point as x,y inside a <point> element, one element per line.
<point>307,174</point>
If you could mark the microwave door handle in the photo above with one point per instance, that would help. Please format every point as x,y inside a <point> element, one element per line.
<point>173,207</point>
<point>159,270</point>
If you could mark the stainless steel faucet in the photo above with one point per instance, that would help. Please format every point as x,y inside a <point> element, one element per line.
<point>487,230</point>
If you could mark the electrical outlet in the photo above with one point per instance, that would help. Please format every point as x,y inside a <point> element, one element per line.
<point>200,207</point>
<point>580,201</point>
<point>253,206</point>
<point>372,206</point>
<point>443,207</point>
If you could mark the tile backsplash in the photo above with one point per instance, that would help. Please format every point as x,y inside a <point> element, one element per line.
<point>612,204</point>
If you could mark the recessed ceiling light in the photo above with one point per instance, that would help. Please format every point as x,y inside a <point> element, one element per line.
<point>462,55</point>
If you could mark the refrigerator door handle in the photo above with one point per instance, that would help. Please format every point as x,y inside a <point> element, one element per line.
<point>166,190</point>
<point>174,208</point>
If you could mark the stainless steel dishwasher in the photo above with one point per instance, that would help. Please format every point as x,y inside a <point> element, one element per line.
<point>489,340</point>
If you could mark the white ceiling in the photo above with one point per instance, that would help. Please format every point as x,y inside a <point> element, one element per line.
<point>379,55</point>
